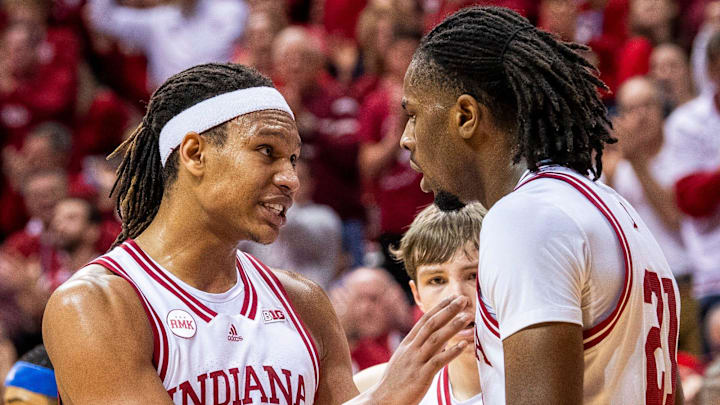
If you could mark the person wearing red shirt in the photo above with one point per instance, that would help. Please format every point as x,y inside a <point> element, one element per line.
<point>38,79</point>
<point>386,167</point>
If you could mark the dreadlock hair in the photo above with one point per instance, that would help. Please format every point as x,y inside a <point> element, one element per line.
<point>538,88</point>
<point>142,180</point>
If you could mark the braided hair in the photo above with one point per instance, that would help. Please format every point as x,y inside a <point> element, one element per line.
<point>142,180</point>
<point>538,88</point>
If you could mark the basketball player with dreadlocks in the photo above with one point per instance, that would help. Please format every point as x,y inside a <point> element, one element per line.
<point>174,313</point>
<point>576,302</point>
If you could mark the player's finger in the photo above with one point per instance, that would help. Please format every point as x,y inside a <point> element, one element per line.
<point>437,340</point>
<point>440,319</point>
<point>426,316</point>
<point>442,358</point>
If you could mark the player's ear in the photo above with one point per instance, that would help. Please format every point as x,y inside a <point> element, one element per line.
<point>416,296</point>
<point>192,153</point>
<point>468,115</point>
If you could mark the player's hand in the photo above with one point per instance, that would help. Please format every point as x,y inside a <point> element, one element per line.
<point>422,354</point>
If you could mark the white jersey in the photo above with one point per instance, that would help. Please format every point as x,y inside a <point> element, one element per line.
<point>246,345</point>
<point>561,248</point>
<point>440,392</point>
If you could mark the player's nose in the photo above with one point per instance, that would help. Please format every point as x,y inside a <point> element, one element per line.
<point>406,142</point>
<point>287,180</point>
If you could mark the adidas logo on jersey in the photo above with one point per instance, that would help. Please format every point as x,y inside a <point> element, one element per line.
<point>233,335</point>
<point>274,315</point>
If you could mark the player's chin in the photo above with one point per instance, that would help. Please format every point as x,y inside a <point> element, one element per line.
<point>266,235</point>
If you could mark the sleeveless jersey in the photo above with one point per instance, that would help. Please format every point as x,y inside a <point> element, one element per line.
<point>440,393</point>
<point>244,346</point>
<point>629,351</point>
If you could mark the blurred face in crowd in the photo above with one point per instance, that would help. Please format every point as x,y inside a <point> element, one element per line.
<point>669,67</point>
<point>30,12</point>
<point>20,396</point>
<point>457,276</point>
<point>399,56</point>
<point>367,293</point>
<point>71,225</point>
<point>559,17</point>
<point>295,59</point>
<point>40,152</point>
<point>259,34</point>
<point>640,107</point>
<point>42,192</point>
<point>19,43</point>
<point>651,14</point>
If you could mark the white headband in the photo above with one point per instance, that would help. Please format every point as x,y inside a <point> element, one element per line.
<point>216,110</point>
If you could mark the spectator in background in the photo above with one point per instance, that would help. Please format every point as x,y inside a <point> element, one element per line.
<point>440,252</point>
<point>650,22</point>
<point>670,68</point>
<point>639,176</point>
<point>326,120</point>
<point>176,35</point>
<point>374,314</point>
<point>31,381</point>
<point>710,25</point>
<point>75,232</point>
<point>692,134</point>
<point>47,147</point>
<point>310,243</point>
<point>256,47</point>
<point>383,164</point>
<point>38,78</point>
<point>559,17</point>
<point>7,357</point>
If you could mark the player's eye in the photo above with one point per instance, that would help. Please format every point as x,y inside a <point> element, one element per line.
<point>266,150</point>
<point>472,276</point>
<point>436,281</point>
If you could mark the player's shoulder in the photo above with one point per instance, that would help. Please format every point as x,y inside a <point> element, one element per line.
<point>94,292</point>
<point>537,202</point>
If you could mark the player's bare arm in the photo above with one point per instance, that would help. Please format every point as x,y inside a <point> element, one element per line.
<point>99,340</point>
<point>544,364</point>
<point>411,369</point>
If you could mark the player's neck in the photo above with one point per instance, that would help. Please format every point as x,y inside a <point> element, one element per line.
<point>186,247</point>
<point>502,183</point>
<point>464,378</point>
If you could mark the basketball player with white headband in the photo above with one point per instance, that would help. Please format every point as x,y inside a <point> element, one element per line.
<point>174,313</point>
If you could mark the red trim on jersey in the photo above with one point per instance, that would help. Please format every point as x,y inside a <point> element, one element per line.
<point>439,390</point>
<point>488,320</point>
<point>249,307</point>
<point>279,291</point>
<point>590,336</point>
<point>163,279</point>
<point>446,385</point>
<point>160,342</point>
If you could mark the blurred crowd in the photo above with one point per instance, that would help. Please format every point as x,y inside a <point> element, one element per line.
<point>75,76</point>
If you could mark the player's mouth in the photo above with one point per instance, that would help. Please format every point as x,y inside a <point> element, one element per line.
<point>275,212</point>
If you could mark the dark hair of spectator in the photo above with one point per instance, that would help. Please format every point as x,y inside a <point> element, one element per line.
<point>142,179</point>
<point>58,134</point>
<point>38,356</point>
<point>539,88</point>
<point>713,47</point>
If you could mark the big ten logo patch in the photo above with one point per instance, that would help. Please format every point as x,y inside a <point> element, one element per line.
<point>181,323</point>
<point>273,315</point>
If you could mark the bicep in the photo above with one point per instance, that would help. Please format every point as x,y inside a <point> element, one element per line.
<point>96,339</point>
<point>544,364</point>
